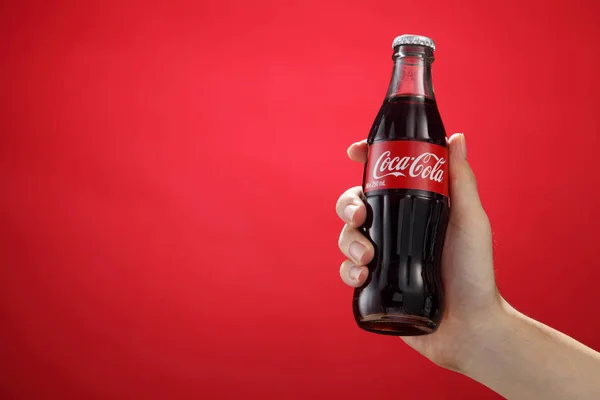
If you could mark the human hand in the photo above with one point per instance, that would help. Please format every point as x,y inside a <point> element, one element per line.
<point>472,301</point>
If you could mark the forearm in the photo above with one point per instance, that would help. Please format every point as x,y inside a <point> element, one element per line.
<point>520,358</point>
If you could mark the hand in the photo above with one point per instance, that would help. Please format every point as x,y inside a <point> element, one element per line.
<point>472,299</point>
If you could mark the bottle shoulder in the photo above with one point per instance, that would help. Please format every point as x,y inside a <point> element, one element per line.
<point>408,118</point>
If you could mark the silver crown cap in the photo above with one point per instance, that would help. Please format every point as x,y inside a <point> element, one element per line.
<point>414,40</point>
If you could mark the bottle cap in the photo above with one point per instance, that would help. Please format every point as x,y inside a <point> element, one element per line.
<point>414,40</point>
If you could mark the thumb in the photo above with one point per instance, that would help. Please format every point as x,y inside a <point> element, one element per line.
<point>464,197</point>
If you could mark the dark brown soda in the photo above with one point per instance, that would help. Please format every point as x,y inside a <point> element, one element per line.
<point>403,294</point>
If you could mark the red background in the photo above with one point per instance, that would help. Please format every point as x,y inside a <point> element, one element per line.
<point>169,173</point>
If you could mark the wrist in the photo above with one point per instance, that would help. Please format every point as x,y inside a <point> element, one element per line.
<point>518,357</point>
<point>486,333</point>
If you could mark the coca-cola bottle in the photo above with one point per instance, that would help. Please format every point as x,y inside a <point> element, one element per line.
<point>405,186</point>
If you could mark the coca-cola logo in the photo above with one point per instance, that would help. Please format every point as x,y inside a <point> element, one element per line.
<point>406,164</point>
<point>425,166</point>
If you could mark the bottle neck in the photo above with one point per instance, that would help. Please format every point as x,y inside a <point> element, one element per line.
<point>412,72</point>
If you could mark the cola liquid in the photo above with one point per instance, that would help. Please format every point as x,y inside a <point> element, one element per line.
<point>406,192</point>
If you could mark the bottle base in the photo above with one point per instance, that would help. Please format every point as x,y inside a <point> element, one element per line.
<point>397,324</point>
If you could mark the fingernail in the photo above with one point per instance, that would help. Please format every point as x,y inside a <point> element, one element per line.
<point>355,272</point>
<point>463,145</point>
<point>349,212</point>
<point>357,250</point>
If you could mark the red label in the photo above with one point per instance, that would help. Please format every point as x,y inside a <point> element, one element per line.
<point>407,164</point>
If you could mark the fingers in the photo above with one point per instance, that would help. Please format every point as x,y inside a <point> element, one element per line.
<point>464,197</point>
<point>352,274</point>
<point>355,246</point>
<point>358,151</point>
<point>360,251</point>
<point>350,208</point>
